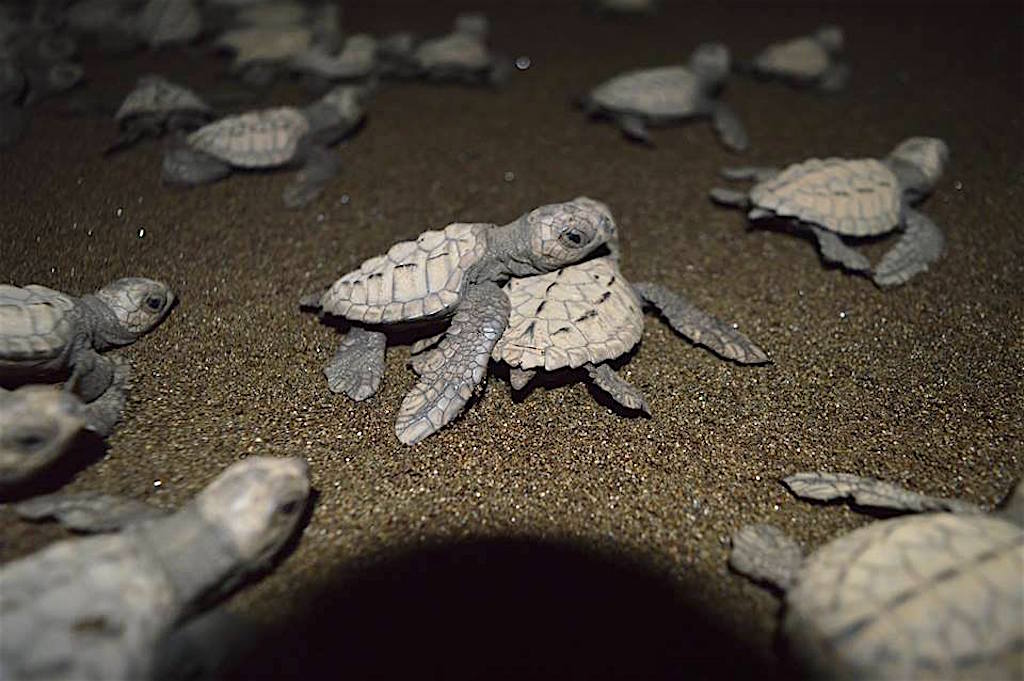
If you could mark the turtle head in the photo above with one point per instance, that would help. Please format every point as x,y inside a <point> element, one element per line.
<point>565,233</point>
<point>138,304</point>
<point>710,61</point>
<point>919,163</point>
<point>256,504</point>
<point>37,425</point>
<point>830,37</point>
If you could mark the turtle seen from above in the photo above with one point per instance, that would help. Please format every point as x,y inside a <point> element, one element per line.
<point>931,596</point>
<point>271,138</point>
<point>838,198</point>
<point>157,105</point>
<point>452,276</point>
<point>670,94</point>
<point>45,332</point>
<point>807,61</point>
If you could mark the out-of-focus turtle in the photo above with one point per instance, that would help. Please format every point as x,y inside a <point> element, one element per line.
<point>43,331</point>
<point>155,105</point>
<point>98,607</point>
<point>395,55</point>
<point>836,198</point>
<point>934,596</point>
<point>39,424</point>
<point>588,314</point>
<point>273,13</point>
<point>263,51</point>
<point>169,22</point>
<point>271,138</point>
<point>623,7</point>
<point>670,94</point>
<point>811,61</point>
<point>357,60</point>
<point>455,274</point>
<point>462,55</point>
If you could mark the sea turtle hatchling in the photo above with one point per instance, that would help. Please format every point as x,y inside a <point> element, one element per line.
<point>271,138</point>
<point>669,94</point>
<point>462,55</point>
<point>155,105</point>
<point>39,424</point>
<point>97,607</point>
<point>933,596</point>
<point>357,59</point>
<point>812,60</point>
<point>457,274</point>
<point>836,198</point>
<point>45,332</point>
<point>585,315</point>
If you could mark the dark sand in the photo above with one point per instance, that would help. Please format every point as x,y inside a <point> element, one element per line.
<point>545,532</point>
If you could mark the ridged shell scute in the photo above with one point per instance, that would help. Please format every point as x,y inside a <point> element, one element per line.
<point>668,91</point>
<point>926,596</point>
<point>852,197</point>
<point>583,313</point>
<point>257,139</point>
<point>800,58</point>
<point>34,322</point>
<point>414,280</point>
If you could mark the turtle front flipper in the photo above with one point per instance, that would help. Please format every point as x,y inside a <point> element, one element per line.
<point>91,375</point>
<point>87,511</point>
<point>763,553</point>
<point>321,165</point>
<point>920,245</point>
<point>634,128</point>
<point>835,251</point>
<point>357,368</point>
<point>835,78</point>
<point>519,378</point>
<point>103,413</point>
<point>870,493</point>
<point>442,392</point>
<point>729,197</point>
<point>700,327</point>
<point>755,173</point>
<point>186,166</point>
<point>608,380</point>
<point>730,130</point>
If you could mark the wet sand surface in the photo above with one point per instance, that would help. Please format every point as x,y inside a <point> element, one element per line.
<point>543,533</point>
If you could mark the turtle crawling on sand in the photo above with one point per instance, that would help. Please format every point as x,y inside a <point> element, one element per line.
<point>933,596</point>
<point>98,607</point>
<point>462,55</point>
<point>670,94</point>
<point>857,198</point>
<point>44,332</point>
<point>271,138</point>
<point>40,423</point>
<point>155,105</point>
<point>810,61</point>
<point>455,274</point>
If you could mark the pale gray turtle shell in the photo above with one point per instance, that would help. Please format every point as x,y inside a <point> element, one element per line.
<point>168,22</point>
<point>928,596</point>
<point>458,50</point>
<point>804,58</point>
<point>859,197</point>
<point>259,44</point>
<point>664,92</point>
<point>257,139</point>
<point>157,95</point>
<point>585,313</point>
<point>35,324</point>
<point>413,280</point>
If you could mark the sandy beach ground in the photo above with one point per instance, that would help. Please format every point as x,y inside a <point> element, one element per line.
<point>543,534</point>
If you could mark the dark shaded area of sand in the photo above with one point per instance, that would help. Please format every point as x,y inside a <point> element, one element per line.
<point>544,532</point>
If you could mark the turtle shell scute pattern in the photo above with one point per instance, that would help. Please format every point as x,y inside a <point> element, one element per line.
<point>34,321</point>
<point>851,197</point>
<point>929,596</point>
<point>156,95</point>
<point>585,313</point>
<point>257,139</point>
<point>799,58</point>
<point>668,91</point>
<point>413,280</point>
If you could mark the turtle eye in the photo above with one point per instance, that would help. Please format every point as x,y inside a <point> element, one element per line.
<point>288,507</point>
<point>154,303</point>
<point>573,237</point>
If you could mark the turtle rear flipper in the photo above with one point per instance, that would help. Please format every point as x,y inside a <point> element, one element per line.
<point>357,368</point>
<point>834,250</point>
<point>763,553</point>
<point>869,492</point>
<point>103,413</point>
<point>755,173</point>
<point>87,511</point>
<point>519,378</point>
<point>700,327</point>
<point>634,128</point>
<point>730,197</point>
<point>920,245</point>
<point>616,387</point>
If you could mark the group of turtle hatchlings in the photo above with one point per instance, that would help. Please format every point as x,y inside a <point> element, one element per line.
<point>933,595</point>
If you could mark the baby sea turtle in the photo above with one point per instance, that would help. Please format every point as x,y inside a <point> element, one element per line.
<point>934,596</point>
<point>39,424</point>
<point>461,55</point>
<point>670,94</point>
<point>456,273</point>
<point>357,59</point>
<point>812,61</point>
<point>96,607</point>
<point>155,105</point>
<point>43,331</point>
<point>169,22</point>
<point>271,138</point>
<point>262,51</point>
<point>588,314</point>
<point>836,198</point>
